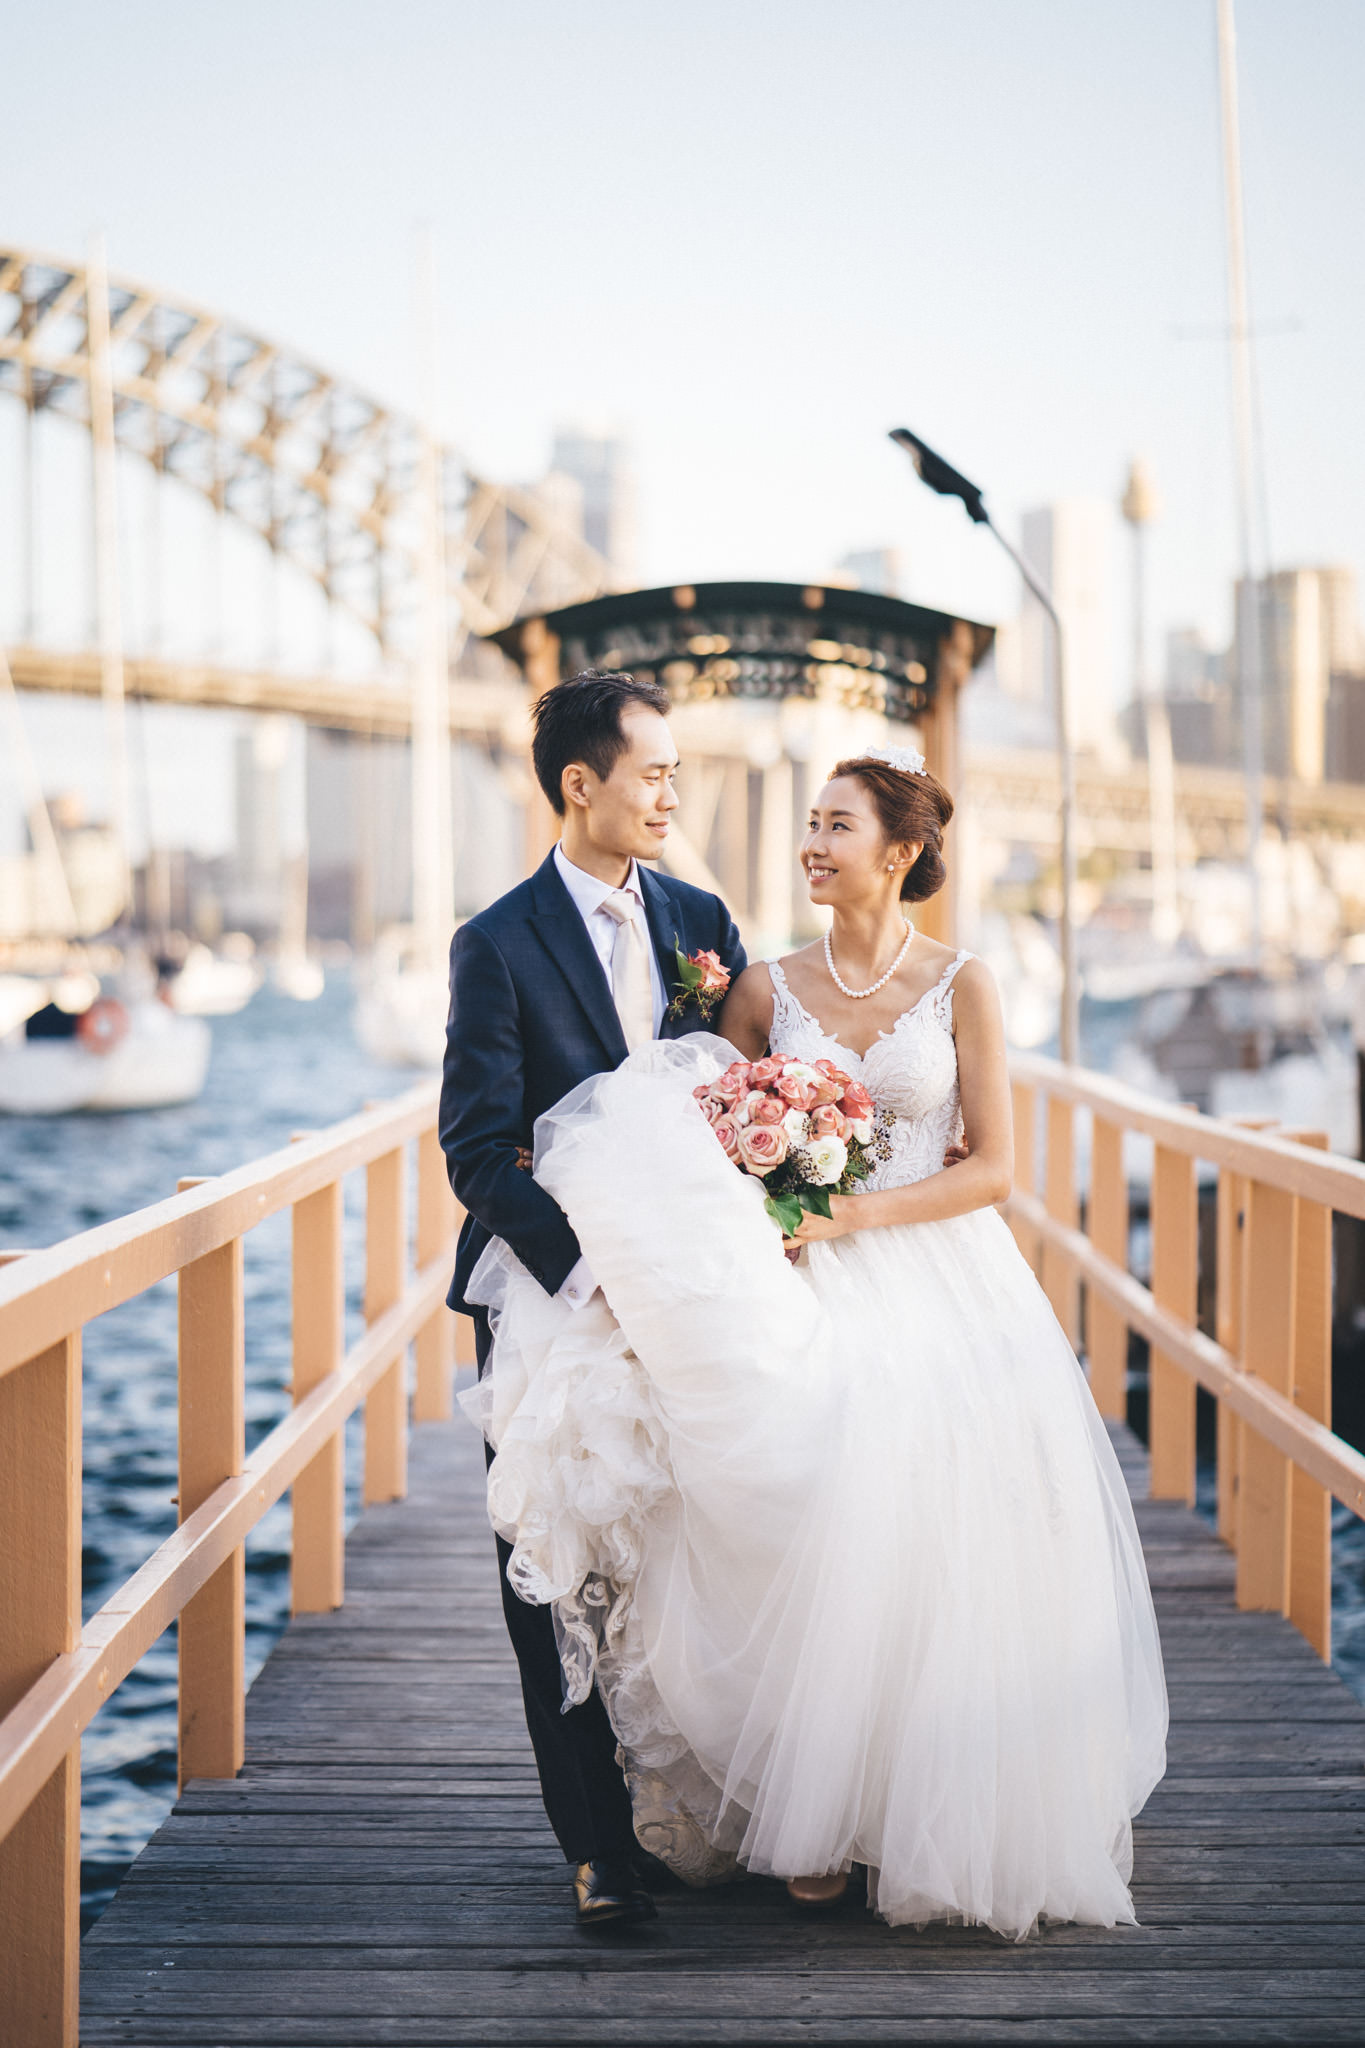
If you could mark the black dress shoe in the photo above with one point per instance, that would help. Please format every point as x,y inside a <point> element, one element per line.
<point>606,1891</point>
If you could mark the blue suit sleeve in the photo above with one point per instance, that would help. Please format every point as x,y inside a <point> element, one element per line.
<point>483,1113</point>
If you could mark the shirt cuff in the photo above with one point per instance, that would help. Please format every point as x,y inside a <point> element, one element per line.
<point>580,1286</point>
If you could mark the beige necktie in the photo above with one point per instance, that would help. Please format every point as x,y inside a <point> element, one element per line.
<point>630,979</point>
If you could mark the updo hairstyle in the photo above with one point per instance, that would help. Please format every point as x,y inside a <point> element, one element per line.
<point>910,807</point>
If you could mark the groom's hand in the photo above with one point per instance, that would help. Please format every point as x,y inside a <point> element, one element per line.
<point>526,1158</point>
<point>955,1155</point>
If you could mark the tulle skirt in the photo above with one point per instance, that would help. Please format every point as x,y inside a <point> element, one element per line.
<point>845,1546</point>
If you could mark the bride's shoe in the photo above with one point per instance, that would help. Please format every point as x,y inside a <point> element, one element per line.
<point>818,1892</point>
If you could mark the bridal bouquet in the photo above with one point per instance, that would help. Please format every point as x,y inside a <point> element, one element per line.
<point>804,1128</point>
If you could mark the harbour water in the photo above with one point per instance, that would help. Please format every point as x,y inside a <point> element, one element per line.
<point>277,1067</point>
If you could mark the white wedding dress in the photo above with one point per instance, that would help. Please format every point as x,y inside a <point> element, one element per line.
<point>844,1545</point>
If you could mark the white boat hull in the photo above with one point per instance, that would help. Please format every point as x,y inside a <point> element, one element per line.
<point>162,1059</point>
<point>400,1017</point>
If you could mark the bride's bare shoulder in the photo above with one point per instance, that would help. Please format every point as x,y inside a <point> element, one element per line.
<point>751,994</point>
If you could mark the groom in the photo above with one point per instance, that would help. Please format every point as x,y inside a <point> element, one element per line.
<point>557,981</point>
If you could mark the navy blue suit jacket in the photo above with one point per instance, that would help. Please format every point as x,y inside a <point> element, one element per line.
<point>532,1015</point>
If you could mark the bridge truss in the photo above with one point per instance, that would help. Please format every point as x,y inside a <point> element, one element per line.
<point>324,473</point>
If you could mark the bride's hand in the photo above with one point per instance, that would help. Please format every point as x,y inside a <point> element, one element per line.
<point>812,1228</point>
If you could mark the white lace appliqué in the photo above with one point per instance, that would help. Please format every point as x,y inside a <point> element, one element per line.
<point>910,1070</point>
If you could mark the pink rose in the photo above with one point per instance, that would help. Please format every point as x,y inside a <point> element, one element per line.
<point>769,1109</point>
<point>831,1072</point>
<point>731,1086</point>
<point>856,1101</point>
<point>800,1094</point>
<point>713,974</point>
<point>727,1130</point>
<point>764,1072</point>
<point>762,1147</point>
<point>713,1109</point>
<point>702,1090</point>
<point>827,1121</point>
<point>826,1090</point>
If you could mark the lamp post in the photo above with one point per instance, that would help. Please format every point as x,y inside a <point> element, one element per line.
<point>940,476</point>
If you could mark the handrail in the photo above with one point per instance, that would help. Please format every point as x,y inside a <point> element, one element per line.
<point>1277,1161</point>
<point>55,1674</point>
<point>1330,1460</point>
<point>48,1293</point>
<point>1268,1274</point>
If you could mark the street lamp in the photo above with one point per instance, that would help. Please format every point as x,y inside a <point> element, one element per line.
<point>940,476</point>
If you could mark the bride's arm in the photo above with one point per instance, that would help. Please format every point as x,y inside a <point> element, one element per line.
<point>746,1015</point>
<point>984,1177</point>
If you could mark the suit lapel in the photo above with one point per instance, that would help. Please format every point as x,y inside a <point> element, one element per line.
<point>665,928</point>
<point>564,935</point>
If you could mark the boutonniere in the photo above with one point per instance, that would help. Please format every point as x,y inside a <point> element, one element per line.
<point>704,981</point>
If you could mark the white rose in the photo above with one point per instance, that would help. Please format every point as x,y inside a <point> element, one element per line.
<point>862,1129</point>
<point>799,1071</point>
<point>797,1126</point>
<point>826,1159</point>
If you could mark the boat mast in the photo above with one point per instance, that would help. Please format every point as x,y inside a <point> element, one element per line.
<point>1248,610</point>
<point>433,881</point>
<point>108,610</point>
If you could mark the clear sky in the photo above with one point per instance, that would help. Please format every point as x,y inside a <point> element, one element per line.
<point>754,234</point>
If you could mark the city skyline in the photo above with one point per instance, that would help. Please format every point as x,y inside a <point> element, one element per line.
<point>751,245</point>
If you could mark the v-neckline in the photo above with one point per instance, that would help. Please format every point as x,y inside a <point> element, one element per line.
<point>775,968</point>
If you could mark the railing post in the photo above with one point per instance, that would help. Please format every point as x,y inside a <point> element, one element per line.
<point>1106,1333</point>
<point>431,1400</point>
<point>386,1258</point>
<point>1175,1282</point>
<point>1059,1274</point>
<point>1268,1349</point>
<point>1310,1505</point>
<point>40,1618</point>
<point>1025,1103</point>
<point>319,1551</point>
<point>1232,1197</point>
<point>212,1633</point>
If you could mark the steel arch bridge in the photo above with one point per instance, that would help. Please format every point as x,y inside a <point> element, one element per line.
<point>323,472</point>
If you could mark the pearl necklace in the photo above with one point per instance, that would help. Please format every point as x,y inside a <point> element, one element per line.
<point>858,994</point>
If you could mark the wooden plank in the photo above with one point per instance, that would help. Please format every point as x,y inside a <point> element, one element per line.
<point>211,1639</point>
<point>1310,1505</point>
<point>386,1257</point>
<point>437,1222</point>
<point>1058,1271</point>
<point>40,1620</point>
<point>1268,1349</point>
<point>318,1558</point>
<point>1175,1283</point>
<point>1024,1101</point>
<point>1228,1328</point>
<point>1106,1333</point>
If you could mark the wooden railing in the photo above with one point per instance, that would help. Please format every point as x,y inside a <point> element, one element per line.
<point>1268,1363</point>
<point>56,1674</point>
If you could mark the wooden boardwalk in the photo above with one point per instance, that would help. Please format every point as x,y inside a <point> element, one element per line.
<point>382,1871</point>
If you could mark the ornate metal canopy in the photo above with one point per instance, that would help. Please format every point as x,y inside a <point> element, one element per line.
<point>760,640</point>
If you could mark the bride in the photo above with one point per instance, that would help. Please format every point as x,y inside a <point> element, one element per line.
<point>843,1542</point>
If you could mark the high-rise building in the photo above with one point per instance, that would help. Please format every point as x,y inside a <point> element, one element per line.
<point>600,465</point>
<point>1071,546</point>
<point>873,569</point>
<point>1308,629</point>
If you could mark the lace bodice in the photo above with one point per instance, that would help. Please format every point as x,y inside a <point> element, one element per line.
<point>910,1069</point>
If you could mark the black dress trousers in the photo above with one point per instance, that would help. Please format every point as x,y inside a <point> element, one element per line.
<point>580,1780</point>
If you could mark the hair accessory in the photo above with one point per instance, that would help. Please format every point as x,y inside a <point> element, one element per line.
<point>906,759</point>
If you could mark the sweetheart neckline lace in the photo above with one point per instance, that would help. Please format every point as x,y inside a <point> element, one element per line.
<point>779,977</point>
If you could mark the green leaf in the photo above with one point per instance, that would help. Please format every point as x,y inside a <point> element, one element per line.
<point>786,1211</point>
<point>689,974</point>
<point>817,1201</point>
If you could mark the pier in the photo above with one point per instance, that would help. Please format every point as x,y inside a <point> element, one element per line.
<point>359,1854</point>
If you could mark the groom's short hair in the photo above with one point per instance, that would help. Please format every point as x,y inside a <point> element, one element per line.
<point>580,720</point>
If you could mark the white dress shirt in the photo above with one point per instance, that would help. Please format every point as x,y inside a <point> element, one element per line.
<point>588,893</point>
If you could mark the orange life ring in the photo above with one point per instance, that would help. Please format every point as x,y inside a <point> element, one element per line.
<point>103,1025</point>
